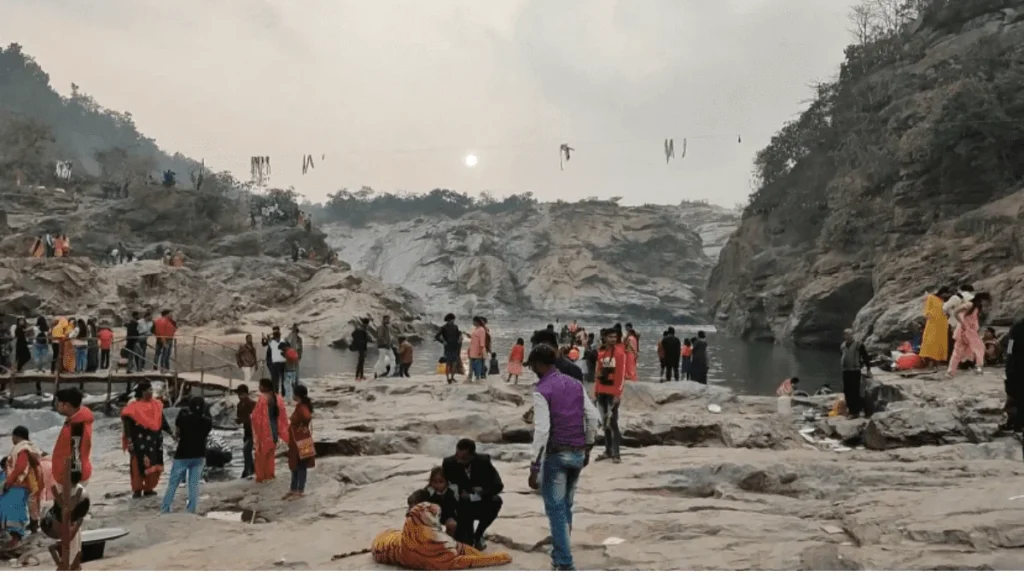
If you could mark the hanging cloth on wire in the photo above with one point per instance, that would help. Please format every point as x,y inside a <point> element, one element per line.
<point>670,149</point>
<point>259,167</point>
<point>564,155</point>
<point>307,163</point>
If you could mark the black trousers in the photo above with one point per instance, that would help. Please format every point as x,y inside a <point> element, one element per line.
<point>104,359</point>
<point>56,360</point>
<point>361,364</point>
<point>483,513</point>
<point>610,417</point>
<point>403,370</point>
<point>851,390</point>
<point>672,369</point>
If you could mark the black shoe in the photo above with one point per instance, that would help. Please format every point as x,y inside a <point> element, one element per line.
<point>136,495</point>
<point>149,493</point>
<point>33,526</point>
<point>480,544</point>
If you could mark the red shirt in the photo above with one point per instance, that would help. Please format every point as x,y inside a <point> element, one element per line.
<point>164,327</point>
<point>618,355</point>
<point>106,337</point>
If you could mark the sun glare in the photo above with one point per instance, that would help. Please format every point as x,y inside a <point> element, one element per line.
<point>471,160</point>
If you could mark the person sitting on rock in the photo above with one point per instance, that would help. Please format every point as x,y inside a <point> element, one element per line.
<point>421,544</point>
<point>439,492</point>
<point>479,486</point>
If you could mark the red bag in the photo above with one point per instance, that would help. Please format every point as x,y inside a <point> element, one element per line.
<point>291,355</point>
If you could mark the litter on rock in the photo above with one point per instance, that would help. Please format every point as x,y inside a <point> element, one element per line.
<point>1021,497</point>
<point>612,541</point>
<point>714,408</point>
<point>829,529</point>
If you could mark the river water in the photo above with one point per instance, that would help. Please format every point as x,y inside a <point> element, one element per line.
<point>754,368</point>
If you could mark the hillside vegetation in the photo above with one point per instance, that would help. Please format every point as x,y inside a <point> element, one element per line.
<point>903,173</point>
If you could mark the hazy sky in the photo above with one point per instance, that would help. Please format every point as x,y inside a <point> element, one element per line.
<point>395,93</point>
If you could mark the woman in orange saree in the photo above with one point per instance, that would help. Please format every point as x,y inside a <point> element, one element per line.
<point>269,426</point>
<point>142,437</point>
<point>422,544</point>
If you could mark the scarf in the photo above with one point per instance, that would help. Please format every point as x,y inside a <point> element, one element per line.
<point>12,459</point>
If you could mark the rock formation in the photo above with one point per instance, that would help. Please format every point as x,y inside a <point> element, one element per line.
<point>233,276</point>
<point>903,175</point>
<point>582,258</point>
<point>730,491</point>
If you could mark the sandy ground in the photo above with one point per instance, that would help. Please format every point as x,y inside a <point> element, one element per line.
<point>695,490</point>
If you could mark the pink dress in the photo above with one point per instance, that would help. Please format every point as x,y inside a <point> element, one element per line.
<point>967,343</point>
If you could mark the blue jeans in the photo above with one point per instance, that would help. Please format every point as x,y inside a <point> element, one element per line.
<point>248,466</point>
<point>194,469</point>
<point>477,367</point>
<point>163,355</point>
<point>299,477</point>
<point>81,358</point>
<point>42,354</point>
<point>558,487</point>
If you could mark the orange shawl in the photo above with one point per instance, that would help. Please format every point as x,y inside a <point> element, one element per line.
<point>263,440</point>
<point>146,413</point>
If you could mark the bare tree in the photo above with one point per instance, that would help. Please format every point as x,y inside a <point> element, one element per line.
<point>862,23</point>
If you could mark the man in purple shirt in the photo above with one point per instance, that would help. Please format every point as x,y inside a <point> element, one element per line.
<point>565,427</point>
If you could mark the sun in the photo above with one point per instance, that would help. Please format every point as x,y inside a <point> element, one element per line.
<point>471,160</point>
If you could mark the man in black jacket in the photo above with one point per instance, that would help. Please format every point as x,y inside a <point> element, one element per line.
<point>673,350</point>
<point>360,338</point>
<point>478,485</point>
<point>563,364</point>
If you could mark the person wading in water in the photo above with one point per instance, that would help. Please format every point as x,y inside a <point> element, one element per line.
<point>451,338</point>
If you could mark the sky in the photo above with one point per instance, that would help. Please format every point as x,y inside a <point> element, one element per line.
<point>395,94</point>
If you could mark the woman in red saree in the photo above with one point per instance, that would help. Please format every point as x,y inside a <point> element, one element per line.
<point>144,424</point>
<point>269,425</point>
<point>632,351</point>
<point>301,451</point>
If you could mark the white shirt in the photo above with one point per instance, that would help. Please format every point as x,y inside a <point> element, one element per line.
<point>275,351</point>
<point>542,422</point>
<point>949,309</point>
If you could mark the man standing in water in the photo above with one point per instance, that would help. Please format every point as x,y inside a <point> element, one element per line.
<point>565,426</point>
<point>699,363</point>
<point>451,338</point>
<point>854,357</point>
<point>360,342</point>
<point>673,350</point>
<point>384,343</point>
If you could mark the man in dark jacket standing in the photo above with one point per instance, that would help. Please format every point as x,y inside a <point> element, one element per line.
<point>360,339</point>
<point>478,484</point>
<point>673,350</point>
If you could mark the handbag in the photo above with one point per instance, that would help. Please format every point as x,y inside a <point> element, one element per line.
<point>305,446</point>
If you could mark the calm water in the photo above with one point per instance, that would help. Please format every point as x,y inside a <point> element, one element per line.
<point>747,367</point>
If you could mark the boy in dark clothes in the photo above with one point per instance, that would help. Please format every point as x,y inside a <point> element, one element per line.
<point>244,417</point>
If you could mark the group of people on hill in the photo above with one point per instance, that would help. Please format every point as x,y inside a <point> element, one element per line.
<point>50,246</point>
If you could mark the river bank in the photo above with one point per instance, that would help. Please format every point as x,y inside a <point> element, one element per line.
<point>742,489</point>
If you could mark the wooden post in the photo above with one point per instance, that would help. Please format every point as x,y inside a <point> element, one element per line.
<point>110,390</point>
<point>192,356</point>
<point>67,556</point>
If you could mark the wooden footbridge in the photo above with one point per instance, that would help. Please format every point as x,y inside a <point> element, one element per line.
<point>207,380</point>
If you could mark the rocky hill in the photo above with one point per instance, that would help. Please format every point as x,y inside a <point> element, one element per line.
<point>905,173</point>
<point>234,276</point>
<point>563,259</point>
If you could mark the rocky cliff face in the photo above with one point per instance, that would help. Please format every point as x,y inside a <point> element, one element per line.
<point>909,175</point>
<point>233,276</point>
<point>563,259</point>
